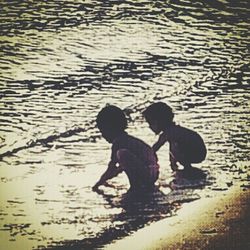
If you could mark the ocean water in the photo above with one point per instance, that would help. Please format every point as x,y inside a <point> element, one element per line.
<point>62,61</point>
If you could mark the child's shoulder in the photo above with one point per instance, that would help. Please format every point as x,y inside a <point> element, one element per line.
<point>136,142</point>
<point>128,139</point>
<point>180,131</point>
<point>135,139</point>
<point>176,127</point>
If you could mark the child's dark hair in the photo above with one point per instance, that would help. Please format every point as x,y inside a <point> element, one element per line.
<point>111,118</point>
<point>160,112</point>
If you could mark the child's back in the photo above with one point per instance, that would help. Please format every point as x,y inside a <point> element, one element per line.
<point>136,146</point>
<point>138,160</point>
<point>185,145</point>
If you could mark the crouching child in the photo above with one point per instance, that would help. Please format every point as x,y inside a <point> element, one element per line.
<point>129,154</point>
<point>185,145</point>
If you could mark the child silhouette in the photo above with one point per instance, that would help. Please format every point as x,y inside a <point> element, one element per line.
<point>185,145</point>
<point>129,154</point>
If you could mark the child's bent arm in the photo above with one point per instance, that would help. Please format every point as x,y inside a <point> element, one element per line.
<point>105,176</point>
<point>111,172</point>
<point>161,141</point>
<point>173,162</point>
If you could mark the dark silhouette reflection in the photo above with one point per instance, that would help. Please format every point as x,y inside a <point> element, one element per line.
<point>191,174</point>
<point>138,209</point>
<point>189,178</point>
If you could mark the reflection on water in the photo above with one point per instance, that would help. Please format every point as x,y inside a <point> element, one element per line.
<point>62,61</point>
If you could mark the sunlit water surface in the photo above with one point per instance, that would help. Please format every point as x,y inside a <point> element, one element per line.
<point>62,61</point>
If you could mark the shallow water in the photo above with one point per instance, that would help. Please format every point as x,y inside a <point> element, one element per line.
<point>62,61</point>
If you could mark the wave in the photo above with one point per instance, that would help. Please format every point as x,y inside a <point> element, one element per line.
<point>210,86</point>
<point>24,15</point>
<point>46,140</point>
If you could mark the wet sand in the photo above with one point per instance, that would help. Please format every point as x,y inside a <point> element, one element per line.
<point>220,222</point>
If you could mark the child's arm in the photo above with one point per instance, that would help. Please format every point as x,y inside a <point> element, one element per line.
<point>161,141</point>
<point>111,172</point>
<point>173,162</point>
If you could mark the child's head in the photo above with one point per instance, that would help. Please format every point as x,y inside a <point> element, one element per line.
<point>111,121</point>
<point>159,116</point>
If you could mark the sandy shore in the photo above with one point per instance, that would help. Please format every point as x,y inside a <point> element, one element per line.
<point>221,222</point>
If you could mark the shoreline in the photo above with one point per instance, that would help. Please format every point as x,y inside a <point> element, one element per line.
<point>221,222</point>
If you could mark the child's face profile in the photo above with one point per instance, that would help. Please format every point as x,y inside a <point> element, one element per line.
<point>154,126</point>
<point>107,135</point>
